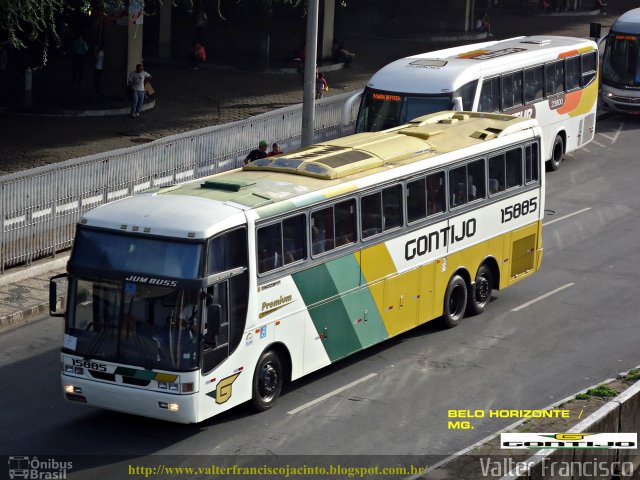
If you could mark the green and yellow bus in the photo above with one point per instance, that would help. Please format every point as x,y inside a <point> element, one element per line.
<point>191,299</point>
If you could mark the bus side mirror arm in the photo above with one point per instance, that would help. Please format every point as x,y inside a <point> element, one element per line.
<point>56,303</point>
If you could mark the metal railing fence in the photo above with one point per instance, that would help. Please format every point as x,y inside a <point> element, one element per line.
<point>40,207</point>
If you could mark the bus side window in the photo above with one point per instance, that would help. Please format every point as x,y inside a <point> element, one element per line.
<point>589,62</point>
<point>475,180</point>
<point>458,186</point>
<point>269,247</point>
<point>533,81</point>
<point>572,69</point>
<point>371,208</point>
<point>497,182</point>
<point>294,241</point>
<point>490,95</point>
<point>416,200</point>
<point>345,222</point>
<point>554,78</point>
<point>531,163</point>
<point>392,207</point>
<point>514,168</point>
<point>435,193</point>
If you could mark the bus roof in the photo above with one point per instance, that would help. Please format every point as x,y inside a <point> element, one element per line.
<point>443,71</point>
<point>304,177</point>
<point>628,22</point>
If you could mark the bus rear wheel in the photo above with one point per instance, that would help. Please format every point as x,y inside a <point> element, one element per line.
<point>557,154</point>
<point>455,301</point>
<point>267,381</point>
<point>481,291</point>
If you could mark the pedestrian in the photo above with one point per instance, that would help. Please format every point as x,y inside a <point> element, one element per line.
<point>260,152</point>
<point>79,50</point>
<point>321,85</point>
<point>341,54</point>
<point>97,71</point>
<point>199,55</point>
<point>275,150</point>
<point>137,81</point>
<point>483,24</point>
<point>201,21</point>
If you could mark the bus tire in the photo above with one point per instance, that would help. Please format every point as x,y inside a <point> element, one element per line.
<point>557,154</point>
<point>455,301</point>
<point>267,381</point>
<point>481,291</point>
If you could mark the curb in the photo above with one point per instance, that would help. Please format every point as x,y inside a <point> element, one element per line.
<point>14,318</point>
<point>84,113</point>
<point>34,270</point>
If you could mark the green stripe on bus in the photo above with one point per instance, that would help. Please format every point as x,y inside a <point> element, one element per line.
<point>331,319</point>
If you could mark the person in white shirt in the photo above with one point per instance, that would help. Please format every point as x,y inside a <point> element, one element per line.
<point>137,80</point>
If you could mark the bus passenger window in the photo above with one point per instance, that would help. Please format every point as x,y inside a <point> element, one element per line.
<point>294,239</point>
<point>475,180</point>
<point>511,90</point>
<point>514,168</point>
<point>589,62</point>
<point>533,81</point>
<point>554,78</point>
<point>490,95</point>
<point>435,193</point>
<point>458,186</point>
<point>322,231</point>
<point>392,207</point>
<point>497,182</point>
<point>269,248</point>
<point>531,163</point>
<point>416,200</point>
<point>371,208</point>
<point>572,68</point>
<point>345,222</point>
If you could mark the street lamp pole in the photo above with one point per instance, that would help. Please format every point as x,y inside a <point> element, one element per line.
<point>308,99</point>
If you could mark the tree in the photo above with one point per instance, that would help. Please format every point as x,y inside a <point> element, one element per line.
<point>24,22</point>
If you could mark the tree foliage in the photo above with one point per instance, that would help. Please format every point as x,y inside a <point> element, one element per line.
<point>29,21</point>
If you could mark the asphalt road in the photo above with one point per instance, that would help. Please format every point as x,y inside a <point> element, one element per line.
<point>520,353</point>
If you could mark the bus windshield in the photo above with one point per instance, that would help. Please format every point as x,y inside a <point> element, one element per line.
<point>620,65</point>
<point>382,110</point>
<point>137,324</point>
<point>139,255</point>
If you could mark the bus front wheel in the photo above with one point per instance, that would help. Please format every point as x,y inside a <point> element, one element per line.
<point>267,381</point>
<point>557,154</point>
<point>455,301</point>
<point>481,291</point>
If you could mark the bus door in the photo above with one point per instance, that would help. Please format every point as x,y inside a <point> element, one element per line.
<point>216,326</point>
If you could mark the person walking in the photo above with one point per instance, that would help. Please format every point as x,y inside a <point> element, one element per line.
<point>97,71</point>
<point>321,85</point>
<point>137,81</point>
<point>79,50</point>
<point>260,152</point>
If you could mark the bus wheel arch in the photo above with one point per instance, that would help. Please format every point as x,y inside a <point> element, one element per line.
<point>455,298</point>
<point>486,279</point>
<point>558,150</point>
<point>268,377</point>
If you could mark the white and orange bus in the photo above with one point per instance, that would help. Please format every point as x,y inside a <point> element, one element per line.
<point>549,78</point>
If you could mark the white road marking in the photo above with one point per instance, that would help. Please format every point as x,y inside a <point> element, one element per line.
<point>595,142</point>
<point>331,394</point>
<point>566,216</point>
<point>615,137</point>
<point>542,297</point>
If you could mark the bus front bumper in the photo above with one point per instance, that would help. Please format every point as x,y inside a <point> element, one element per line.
<point>621,103</point>
<point>147,403</point>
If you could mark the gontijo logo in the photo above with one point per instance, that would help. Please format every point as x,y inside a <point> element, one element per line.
<point>608,441</point>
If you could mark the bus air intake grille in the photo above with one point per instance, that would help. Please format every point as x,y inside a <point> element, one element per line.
<point>103,376</point>
<point>140,382</point>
